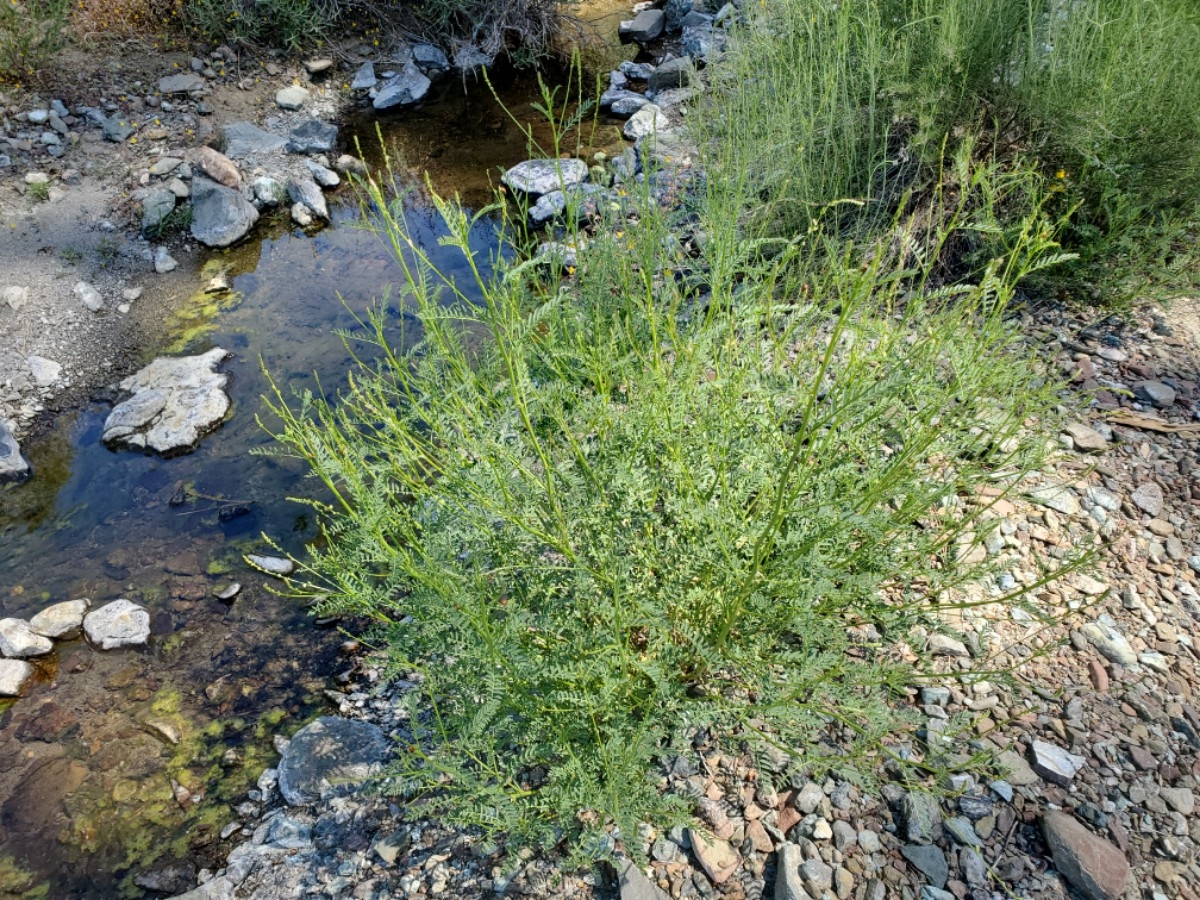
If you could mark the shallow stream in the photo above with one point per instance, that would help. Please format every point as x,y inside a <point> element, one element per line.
<point>94,788</point>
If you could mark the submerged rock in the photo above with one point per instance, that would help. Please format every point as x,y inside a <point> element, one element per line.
<point>62,621</point>
<point>329,752</point>
<point>117,624</point>
<point>14,674</point>
<point>220,216</point>
<point>272,565</point>
<point>13,466</point>
<point>175,402</point>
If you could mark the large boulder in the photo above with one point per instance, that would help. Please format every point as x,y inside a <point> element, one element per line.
<point>174,402</point>
<point>312,136</point>
<point>117,624</point>
<point>221,216</point>
<point>13,466</point>
<point>536,177</point>
<point>642,28</point>
<point>62,621</point>
<point>328,752</point>
<point>407,88</point>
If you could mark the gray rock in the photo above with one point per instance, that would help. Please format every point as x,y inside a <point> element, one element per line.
<point>221,216</point>
<point>961,829</point>
<point>38,116</point>
<point>844,835</point>
<point>1148,497</point>
<point>468,58</point>
<point>1085,439</point>
<point>117,624</point>
<point>788,884</point>
<point>407,88</point>
<point>636,886</point>
<point>243,139</point>
<point>1058,498</point>
<point>1093,866</point>
<point>14,675</point>
<point>1054,763</point>
<point>326,178</point>
<point>431,60</point>
<point>650,119</point>
<point>164,262</point>
<point>1017,771</point>
<point>328,752</point>
<point>171,879</point>
<point>18,640</point>
<point>117,129</point>
<point>536,177</point>
<point>642,28</point>
<point>1180,799</point>
<point>292,98</point>
<point>1110,642</point>
<point>921,817</point>
<point>272,565</point>
<point>183,83</point>
<point>817,876</point>
<point>1155,392</point>
<point>944,645</point>
<point>930,861</point>
<point>673,73</point>
<point>351,165</point>
<point>268,191</point>
<point>89,295</point>
<point>364,79</point>
<point>973,867</point>
<point>164,165</point>
<point>935,696</point>
<point>701,42</point>
<point>62,621</point>
<point>312,136</point>
<point>676,11</point>
<point>15,296</point>
<point>13,466</point>
<point>46,372</point>
<point>808,798</point>
<point>174,402</point>
<point>629,100</point>
<point>306,191</point>
<point>582,198</point>
<point>289,834</point>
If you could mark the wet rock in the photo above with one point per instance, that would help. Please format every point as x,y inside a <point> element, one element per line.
<point>1148,497</point>
<point>89,295</point>
<point>301,215</point>
<point>326,178</point>
<point>183,83</point>
<point>536,177</point>
<point>929,860</point>
<point>1155,392</point>
<point>18,640</point>
<point>407,88</point>
<point>312,136</point>
<point>291,98</point>
<point>642,28</point>
<point>172,879</point>
<point>328,752</point>
<point>622,104</point>
<point>62,621</point>
<point>13,466</point>
<point>117,624</point>
<point>1110,642</point>
<point>163,730</point>
<point>636,886</point>
<point>649,119</point>
<point>14,675</point>
<point>364,78</point>
<point>219,167</point>
<point>1054,763</point>
<point>175,401</point>
<point>673,73</point>
<point>1092,865</point>
<point>220,216</point>
<point>244,139</point>
<point>716,857</point>
<point>159,204</point>
<point>306,191</point>
<point>351,165</point>
<point>228,593</point>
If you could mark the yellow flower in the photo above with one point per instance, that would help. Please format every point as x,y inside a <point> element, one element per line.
<point>1060,174</point>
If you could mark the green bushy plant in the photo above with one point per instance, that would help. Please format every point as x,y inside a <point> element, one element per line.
<point>292,24</point>
<point>30,31</point>
<point>596,516</point>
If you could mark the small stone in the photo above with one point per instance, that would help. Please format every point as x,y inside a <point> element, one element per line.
<point>219,167</point>
<point>89,295</point>
<point>821,830</point>
<point>14,675</point>
<point>1058,498</point>
<point>536,177</point>
<point>1017,771</point>
<point>1155,392</point>
<point>717,858</point>
<point>364,78</point>
<point>636,886</point>
<point>788,884</point>
<point>1055,764</point>
<point>301,215</point>
<point>229,592</point>
<point>1148,497</point>
<point>1092,865</point>
<point>808,798</point>
<point>46,372</point>
<point>312,136</point>
<point>165,165</point>
<point>929,860</point>
<point>844,835</point>
<point>317,66</point>
<point>117,624</point>
<point>817,876</point>
<point>869,841</point>
<point>306,191</point>
<point>18,640</point>
<point>944,645</point>
<point>961,829</point>
<point>291,98</point>
<point>642,28</point>
<point>183,83</point>
<point>164,262</point>
<point>1110,642</point>
<point>164,730</point>
<point>272,565</point>
<point>973,867</point>
<point>921,817</point>
<point>1182,800</point>
<point>649,119</point>
<point>326,178</point>
<point>62,621</point>
<point>935,696</point>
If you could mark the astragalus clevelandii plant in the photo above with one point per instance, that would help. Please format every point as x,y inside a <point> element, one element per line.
<point>595,516</point>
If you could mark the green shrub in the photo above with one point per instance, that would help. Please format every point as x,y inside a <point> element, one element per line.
<point>30,31</point>
<point>292,24</point>
<point>594,519</point>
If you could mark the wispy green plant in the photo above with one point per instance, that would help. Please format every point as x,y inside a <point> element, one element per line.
<point>597,515</point>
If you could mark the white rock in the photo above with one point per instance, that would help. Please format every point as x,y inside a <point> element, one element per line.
<point>16,296</point>
<point>164,262</point>
<point>117,624</point>
<point>943,645</point>
<point>272,565</point>
<point>1055,764</point>
<point>14,673</point>
<point>647,120</point>
<point>45,371</point>
<point>62,621</point>
<point>17,640</point>
<point>90,296</point>
<point>1110,642</point>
